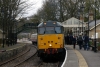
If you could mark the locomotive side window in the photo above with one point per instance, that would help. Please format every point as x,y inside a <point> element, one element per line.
<point>58,29</point>
<point>41,30</point>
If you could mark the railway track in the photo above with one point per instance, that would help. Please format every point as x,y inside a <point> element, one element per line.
<point>35,61</point>
<point>30,59</point>
<point>21,58</point>
<point>44,64</point>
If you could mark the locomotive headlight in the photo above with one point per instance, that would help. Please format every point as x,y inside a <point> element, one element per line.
<point>50,45</point>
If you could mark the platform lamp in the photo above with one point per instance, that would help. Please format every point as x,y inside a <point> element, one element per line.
<point>95,47</point>
<point>82,8</point>
<point>2,14</point>
<point>88,22</point>
<point>79,11</point>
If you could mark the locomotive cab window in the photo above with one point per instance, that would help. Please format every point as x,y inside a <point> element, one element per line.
<point>58,29</point>
<point>49,30</point>
<point>41,30</point>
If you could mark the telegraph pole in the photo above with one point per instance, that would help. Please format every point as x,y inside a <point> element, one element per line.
<point>2,14</point>
<point>61,13</point>
<point>95,47</point>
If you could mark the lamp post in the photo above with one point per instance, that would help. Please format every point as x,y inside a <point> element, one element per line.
<point>82,7</point>
<point>81,10</point>
<point>88,22</point>
<point>2,14</point>
<point>95,50</point>
<point>15,31</point>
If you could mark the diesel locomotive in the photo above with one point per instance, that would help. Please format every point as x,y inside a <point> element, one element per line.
<point>50,39</point>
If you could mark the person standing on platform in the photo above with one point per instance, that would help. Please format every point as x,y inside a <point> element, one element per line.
<point>86,41</point>
<point>80,41</point>
<point>70,39</point>
<point>74,41</point>
<point>67,39</point>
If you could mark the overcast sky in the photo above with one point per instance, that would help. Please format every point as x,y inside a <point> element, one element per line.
<point>33,9</point>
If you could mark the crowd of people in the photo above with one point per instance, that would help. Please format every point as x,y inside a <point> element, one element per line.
<point>82,41</point>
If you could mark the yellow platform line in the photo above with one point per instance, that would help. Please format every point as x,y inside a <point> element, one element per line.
<point>82,61</point>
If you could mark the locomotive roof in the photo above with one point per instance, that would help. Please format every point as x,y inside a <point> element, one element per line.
<point>50,23</point>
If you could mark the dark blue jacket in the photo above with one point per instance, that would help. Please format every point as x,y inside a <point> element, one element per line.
<point>74,40</point>
<point>86,39</point>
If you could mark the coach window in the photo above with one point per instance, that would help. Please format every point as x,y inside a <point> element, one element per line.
<point>41,30</point>
<point>58,29</point>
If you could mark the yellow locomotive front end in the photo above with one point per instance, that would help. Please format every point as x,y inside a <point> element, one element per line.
<point>50,39</point>
<point>50,43</point>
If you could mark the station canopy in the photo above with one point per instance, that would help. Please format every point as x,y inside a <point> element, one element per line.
<point>72,22</point>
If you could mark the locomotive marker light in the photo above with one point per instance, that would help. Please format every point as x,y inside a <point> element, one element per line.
<point>54,23</point>
<point>44,23</point>
<point>59,37</point>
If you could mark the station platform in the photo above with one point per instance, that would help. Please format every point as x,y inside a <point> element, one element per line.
<point>81,58</point>
<point>7,48</point>
<point>9,51</point>
<point>20,42</point>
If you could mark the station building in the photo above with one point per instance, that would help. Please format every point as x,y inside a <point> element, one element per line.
<point>92,29</point>
<point>77,26</point>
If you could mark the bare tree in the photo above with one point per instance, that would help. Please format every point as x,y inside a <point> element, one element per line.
<point>48,11</point>
<point>64,9</point>
<point>9,10</point>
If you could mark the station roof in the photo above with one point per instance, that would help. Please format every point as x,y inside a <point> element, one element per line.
<point>73,22</point>
<point>92,24</point>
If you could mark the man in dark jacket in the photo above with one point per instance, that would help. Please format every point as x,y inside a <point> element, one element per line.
<point>74,41</point>
<point>86,41</point>
<point>67,39</point>
<point>70,39</point>
<point>80,41</point>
